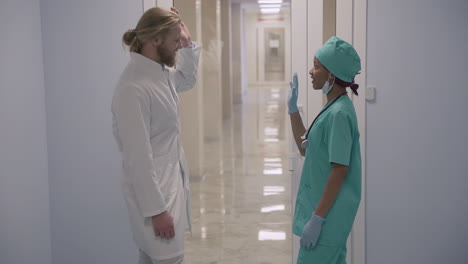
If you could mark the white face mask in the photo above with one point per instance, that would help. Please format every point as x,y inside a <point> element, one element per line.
<point>326,88</point>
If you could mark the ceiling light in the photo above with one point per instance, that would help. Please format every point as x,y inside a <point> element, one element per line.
<point>270,5</point>
<point>270,10</point>
<point>270,1</point>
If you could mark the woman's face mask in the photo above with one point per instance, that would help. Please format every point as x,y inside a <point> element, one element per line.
<point>327,87</point>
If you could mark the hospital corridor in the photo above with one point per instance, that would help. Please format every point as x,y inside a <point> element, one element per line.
<point>242,203</point>
<point>233,132</point>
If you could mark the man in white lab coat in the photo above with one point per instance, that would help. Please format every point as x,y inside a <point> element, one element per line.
<point>146,126</point>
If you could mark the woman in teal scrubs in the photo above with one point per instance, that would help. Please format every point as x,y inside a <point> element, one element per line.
<point>330,188</point>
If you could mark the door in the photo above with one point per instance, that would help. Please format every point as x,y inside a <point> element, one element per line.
<point>351,25</point>
<point>270,57</point>
<point>274,54</point>
<point>346,19</point>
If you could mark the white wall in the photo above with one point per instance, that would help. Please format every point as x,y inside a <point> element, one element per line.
<point>236,45</point>
<point>243,51</point>
<point>191,102</point>
<point>24,191</point>
<point>211,68</point>
<point>226,58</point>
<point>83,58</point>
<point>417,151</point>
<point>250,27</point>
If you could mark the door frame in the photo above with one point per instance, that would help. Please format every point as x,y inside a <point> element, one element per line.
<point>256,35</point>
<point>351,26</point>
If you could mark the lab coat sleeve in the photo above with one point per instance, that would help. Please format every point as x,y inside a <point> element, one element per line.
<point>132,113</point>
<point>184,76</point>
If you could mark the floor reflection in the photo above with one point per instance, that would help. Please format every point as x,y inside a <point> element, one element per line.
<point>273,208</point>
<point>271,235</point>
<point>242,203</point>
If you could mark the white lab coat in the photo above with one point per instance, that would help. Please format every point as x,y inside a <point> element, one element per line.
<point>146,126</point>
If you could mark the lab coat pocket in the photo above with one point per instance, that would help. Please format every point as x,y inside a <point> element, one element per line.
<point>167,172</point>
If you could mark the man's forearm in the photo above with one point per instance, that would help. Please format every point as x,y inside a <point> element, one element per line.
<point>335,180</point>
<point>298,130</point>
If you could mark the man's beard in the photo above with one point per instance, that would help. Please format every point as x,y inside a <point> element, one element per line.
<point>167,57</point>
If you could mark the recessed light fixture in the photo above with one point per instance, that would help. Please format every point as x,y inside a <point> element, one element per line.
<point>270,1</point>
<point>269,10</point>
<point>270,5</point>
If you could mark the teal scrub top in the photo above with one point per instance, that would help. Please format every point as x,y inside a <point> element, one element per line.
<point>334,138</point>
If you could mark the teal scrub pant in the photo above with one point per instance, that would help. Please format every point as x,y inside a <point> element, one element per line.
<point>322,255</point>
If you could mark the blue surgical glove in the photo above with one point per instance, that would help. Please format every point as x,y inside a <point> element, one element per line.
<point>311,231</point>
<point>292,97</point>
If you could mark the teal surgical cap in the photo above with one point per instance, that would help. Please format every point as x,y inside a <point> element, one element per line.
<point>340,58</point>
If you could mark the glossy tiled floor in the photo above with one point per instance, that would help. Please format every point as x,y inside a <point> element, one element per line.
<point>242,204</point>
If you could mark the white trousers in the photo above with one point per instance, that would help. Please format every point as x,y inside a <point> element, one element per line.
<point>145,259</point>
